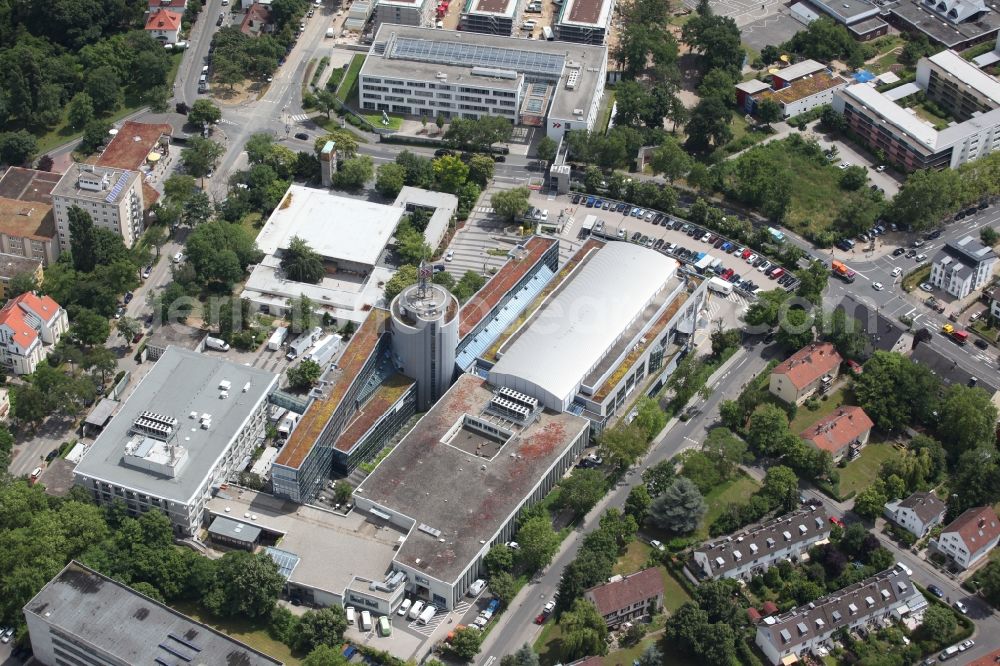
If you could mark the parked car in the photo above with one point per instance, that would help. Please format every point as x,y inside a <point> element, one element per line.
<point>302,136</point>
<point>935,590</point>
<point>146,272</point>
<point>128,297</point>
<point>898,251</point>
<point>982,344</point>
<point>961,607</point>
<point>965,645</point>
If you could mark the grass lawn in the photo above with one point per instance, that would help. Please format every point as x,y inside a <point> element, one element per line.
<point>395,122</point>
<point>253,634</point>
<point>549,644</point>
<point>861,472</point>
<point>983,328</point>
<point>911,281</point>
<point>719,499</point>
<point>350,77</point>
<point>604,117</point>
<point>805,417</point>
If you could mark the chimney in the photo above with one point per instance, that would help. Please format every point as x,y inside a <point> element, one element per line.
<point>982,522</point>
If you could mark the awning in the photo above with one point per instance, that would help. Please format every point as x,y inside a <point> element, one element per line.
<point>790,659</point>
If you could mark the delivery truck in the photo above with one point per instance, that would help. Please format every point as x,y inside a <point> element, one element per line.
<point>277,339</point>
<point>720,286</point>
<point>324,350</point>
<point>299,346</point>
<point>366,620</point>
<point>841,270</point>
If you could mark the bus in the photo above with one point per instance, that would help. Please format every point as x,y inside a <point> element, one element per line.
<point>384,627</point>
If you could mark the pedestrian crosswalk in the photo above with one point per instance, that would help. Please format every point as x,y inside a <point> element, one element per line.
<point>485,210</point>
<point>226,121</point>
<point>300,117</point>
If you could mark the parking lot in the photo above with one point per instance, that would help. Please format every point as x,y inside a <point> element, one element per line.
<point>678,239</point>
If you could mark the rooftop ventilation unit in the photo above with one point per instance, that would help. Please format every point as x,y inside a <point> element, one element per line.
<point>493,73</point>
<point>157,426</point>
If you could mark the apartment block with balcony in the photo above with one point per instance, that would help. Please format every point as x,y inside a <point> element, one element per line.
<point>962,266</point>
<point>113,198</point>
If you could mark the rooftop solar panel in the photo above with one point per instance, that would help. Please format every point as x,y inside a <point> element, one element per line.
<point>473,55</point>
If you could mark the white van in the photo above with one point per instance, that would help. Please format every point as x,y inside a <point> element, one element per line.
<point>426,616</point>
<point>350,614</point>
<point>948,653</point>
<point>476,587</point>
<point>366,620</point>
<point>404,607</point>
<point>204,70</point>
<point>415,610</point>
<point>179,257</point>
<point>547,33</point>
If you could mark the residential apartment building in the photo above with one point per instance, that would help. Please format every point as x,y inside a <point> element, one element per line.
<point>84,617</point>
<point>917,514</point>
<point>189,424</point>
<point>12,265</point>
<point>812,368</point>
<point>627,598</point>
<point>969,538</point>
<point>424,72</point>
<point>886,595</point>
<point>995,303</point>
<point>112,196</point>
<point>491,17</point>
<point>27,224</point>
<point>842,433</point>
<point>970,94</point>
<point>962,266</point>
<point>30,325</point>
<point>881,333</point>
<point>753,550</point>
<point>400,12</point>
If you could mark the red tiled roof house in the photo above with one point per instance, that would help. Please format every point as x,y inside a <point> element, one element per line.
<point>29,327</point>
<point>811,368</point>
<point>164,25</point>
<point>847,429</point>
<point>970,537</point>
<point>627,598</point>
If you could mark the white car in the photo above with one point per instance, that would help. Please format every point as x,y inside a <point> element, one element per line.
<point>844,165</point>
<point>904,568</point>
<point>880,168</point>
<point>752,258</point>
<point>926,287</point>
<point>449,255</point>
<point>404,607</point>
<point>920,257</point>
<point>658,545</point>
<point>877,286</point>
<point>965,645</point>
<point>962,608</point>
<point>766,266</point>
<point>897,271</point>
<point>513,545</point>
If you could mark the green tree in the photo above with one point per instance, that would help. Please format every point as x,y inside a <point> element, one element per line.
<point>546,149</point>
<point>939,624</point>
<point>649,417</point>
<point>583,631</point>
<point>637,503</point>
<point>767,429</point>
<point>812,281</point>
<point>16,148</point>
<point>204,112</point>
<point>324,655</point>
<point>769,111</point>
<point>327,102</point>
<point>304,375</point>
<point>989,236</point>
<point>82,239</point>
<point>510,204</point>
<point>354,173</point>
<point>468,285</point>
<point>670,160</point>
<point>679,509</point>
<point>853,178</point>
<point>846,335</point>
<point>200,156</point>
<point>128,328</point>
<point>450,173</point>
<point>81,110</point>
<point>869,502</point>
<point>499,558</point>
<point>795,330</point>
<point>178,188</point>
<point>989,581</point>
<point>466,643</point>
<point>89,328</point>
<point>325,626</point>
<point>245,585</point>
<point>503,586</point>
<point>968,417</point>
<point>390,180</point>
<point>404,277</point>
<point>537,543</point>
<point>301,315</point>
<point>781,487</point>
<point>197,209</point>
<point>581,490</point>
<point>21,284</point>
<point>764,312</point>
<point>925,198</point>
<point>104,88</point>
<point>726,450</point>
<point>622,445</point>
<point>301,263</point>
<point>524,656</point>
<point>344,140</point>
<point>481,169</point>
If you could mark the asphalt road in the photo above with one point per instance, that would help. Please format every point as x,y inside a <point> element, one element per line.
<point>516,626</point>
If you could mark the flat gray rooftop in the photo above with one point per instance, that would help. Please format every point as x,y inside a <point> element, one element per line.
<point>847,11</point>
<point>421,54</point>
<point>944,32</point>
<point>181,382</point>
<point>135,629</point>
<point>467,497</point>
<point>332,548</point>
<point>116,182</point>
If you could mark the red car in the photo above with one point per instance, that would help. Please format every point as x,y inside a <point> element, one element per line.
<point>746,253</point>
<point>540,618</point>
<point>138,336</point>
<point>836,521</point>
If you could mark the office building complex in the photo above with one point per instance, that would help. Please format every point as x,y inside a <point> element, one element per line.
<point>425,334</point>
<point>27,225</point>
<point>491,17</point>
<point>191,422</point>
<point>424,72</point>
<point>883,121</point>
<point>584,21</point>
<point>753,550</point>
<point>84,617</point>
<point>111,196</point>
<point>962,266</point>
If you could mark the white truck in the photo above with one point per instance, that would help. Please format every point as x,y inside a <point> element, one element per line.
<point>277,338</point>
<point>217,344</point>
<point>427,614</point>
<point>299,346</point>
<point>324,350</point>
<point>366,620</point>
<point>720,286</point>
